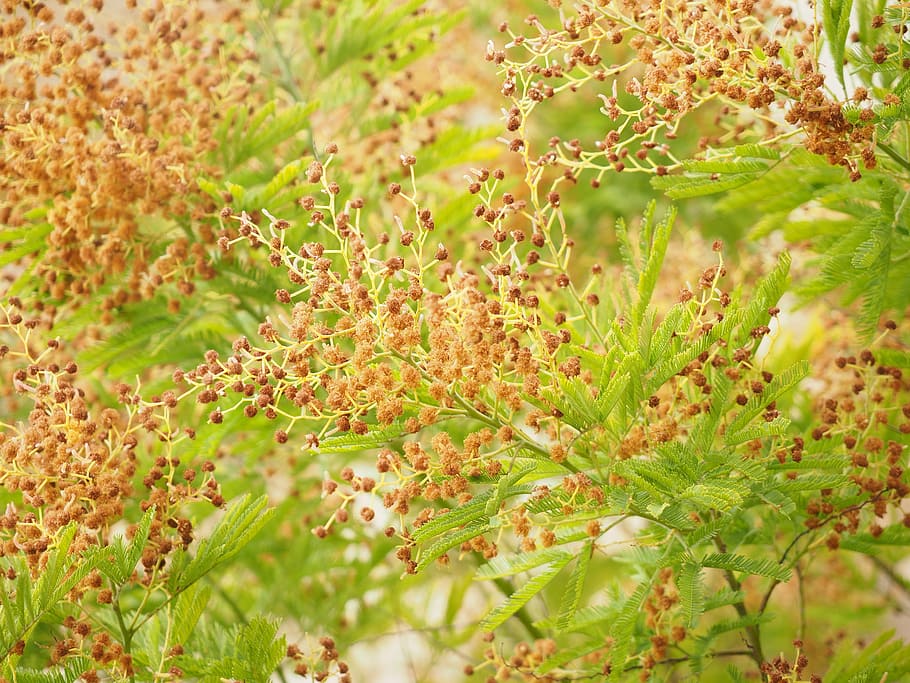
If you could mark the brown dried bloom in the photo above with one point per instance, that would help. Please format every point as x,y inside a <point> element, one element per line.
<point>85,154</point>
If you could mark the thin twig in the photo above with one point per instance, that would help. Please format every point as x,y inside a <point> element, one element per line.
<point>806,532</point>
<point>753,632</point>
<point>633,667</point>
<point>801,587</point>
<point>893,153</point>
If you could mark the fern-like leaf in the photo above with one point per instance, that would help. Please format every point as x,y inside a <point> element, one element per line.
<point>779,385</point>
<point>836,18</point>
<point>656,251</point>
<point>885,658</point>
<point>691,593</point>
<point>68,672</point>
<point>187,609</point>
<point>624,628</point>
<point>466,514</point>
<point>449,541</point>
<point>243,520</point>
<point>504,566</point>
<point>747,565</point>
<point>571,598</point>
<point>126,555</point>
<point>498,615</point>
<point>22,608</point>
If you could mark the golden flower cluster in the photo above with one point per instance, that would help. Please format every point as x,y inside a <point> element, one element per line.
<point>753,62</point>
<point>105,129</point>
<point>384,340</point>
<point>72,461</point>
<point>371,342</point>
<point>866,411</point>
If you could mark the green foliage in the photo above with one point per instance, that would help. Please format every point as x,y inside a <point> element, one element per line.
<point>30,599</point>
<point>746,565</point>
<point>691,593</point>
<point>243,519</point>
<point>520,597</point>
<point>884,657</point>
<point>68,673</point>
<point>249,652</point>
<point>836,18</point>
<point>246,135</point>
<point>124,556</point>
<point>724,172</point>
<point>568,607</point>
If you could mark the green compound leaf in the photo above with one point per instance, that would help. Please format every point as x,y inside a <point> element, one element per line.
<point>691,593</point>
<point>520,598</point>
<point>244,519</point>
<point>572,596</point>
<point>747,565</point>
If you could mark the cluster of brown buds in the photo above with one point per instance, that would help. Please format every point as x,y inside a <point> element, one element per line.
<point>69,461</point>
<point>652,65</point>
<point>105,129</point>
<point>865,412</point>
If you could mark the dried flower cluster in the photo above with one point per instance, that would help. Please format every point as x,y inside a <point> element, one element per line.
<point>780,670</point>
<point>866,410</point>
<point>383,341</point>
<point>365,344</point>
<point>653,64</point>
<point>106,125</point>
<point>71,465</point>
<point>321,662</point>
